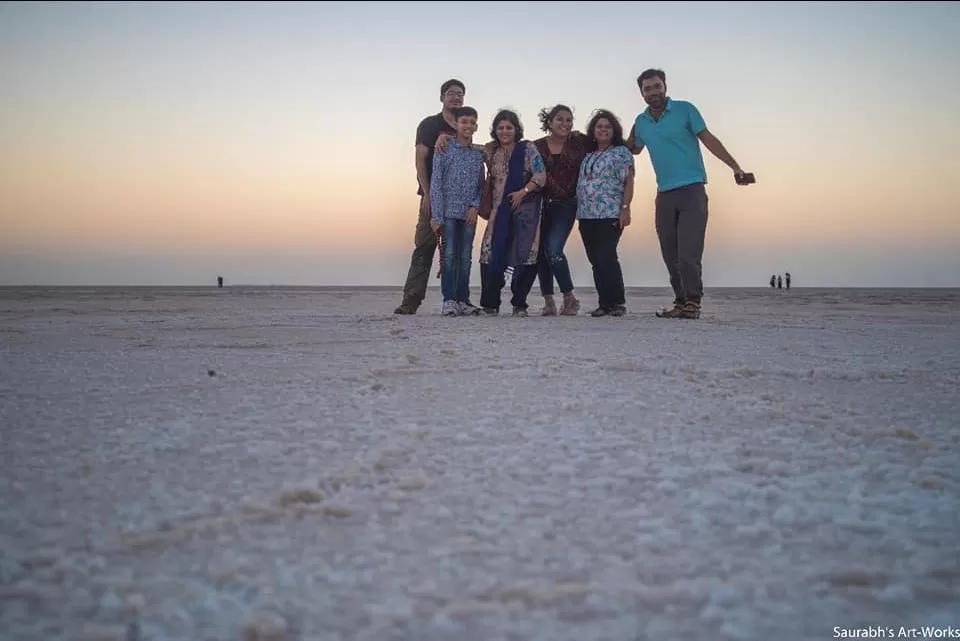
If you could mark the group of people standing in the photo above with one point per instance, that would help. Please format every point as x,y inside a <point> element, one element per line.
<point>531,193</point>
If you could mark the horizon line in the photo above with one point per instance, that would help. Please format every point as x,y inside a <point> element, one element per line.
<point>437,287</point>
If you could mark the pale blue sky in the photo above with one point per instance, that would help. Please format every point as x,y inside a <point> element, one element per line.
<point>159,143</point>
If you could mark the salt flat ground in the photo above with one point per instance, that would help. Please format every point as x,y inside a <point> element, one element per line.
<point>787,464</point>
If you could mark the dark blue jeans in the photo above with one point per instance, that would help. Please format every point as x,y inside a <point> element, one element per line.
<point>555,227</point>
<point>457,257</point>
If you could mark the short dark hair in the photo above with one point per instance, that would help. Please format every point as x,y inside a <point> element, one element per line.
<point>453,82</point>
<point>546,115</point>
<point>604,114</point>
<point>460,112</point>
<point>651,73</point>
<point>512,118</point>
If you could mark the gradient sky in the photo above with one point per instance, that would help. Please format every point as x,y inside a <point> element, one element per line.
<point>155,144</point>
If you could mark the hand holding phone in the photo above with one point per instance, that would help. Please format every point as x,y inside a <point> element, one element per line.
<point>745,178</point>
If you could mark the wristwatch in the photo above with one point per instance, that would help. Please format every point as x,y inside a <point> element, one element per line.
<point>624,206</point>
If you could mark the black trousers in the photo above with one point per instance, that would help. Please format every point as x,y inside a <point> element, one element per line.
<point>600,240</point>
<point>520,285</point>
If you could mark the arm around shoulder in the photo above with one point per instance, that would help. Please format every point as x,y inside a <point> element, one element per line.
<point>632,144</point>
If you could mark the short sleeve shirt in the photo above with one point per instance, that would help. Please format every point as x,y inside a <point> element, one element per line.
<point>601,183</point>
<point>428,131</point>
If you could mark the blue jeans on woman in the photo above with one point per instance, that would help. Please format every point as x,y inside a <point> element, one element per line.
<point>457,256</point>
<point>555,227</point>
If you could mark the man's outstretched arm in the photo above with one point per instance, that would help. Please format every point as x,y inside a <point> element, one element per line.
<point>716,148</point>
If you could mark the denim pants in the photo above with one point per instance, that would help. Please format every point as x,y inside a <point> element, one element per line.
<point>457,257</point>
<point>555,227</point>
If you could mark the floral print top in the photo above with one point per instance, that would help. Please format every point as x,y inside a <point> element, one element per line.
<point>600,185</point>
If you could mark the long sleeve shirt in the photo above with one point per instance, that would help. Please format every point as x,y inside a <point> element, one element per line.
<point>457,182</point>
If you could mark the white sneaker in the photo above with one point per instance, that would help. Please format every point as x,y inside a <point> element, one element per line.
<point>450,308</point>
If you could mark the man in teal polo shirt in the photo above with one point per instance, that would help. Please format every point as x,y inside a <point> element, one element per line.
<point>672,130</point>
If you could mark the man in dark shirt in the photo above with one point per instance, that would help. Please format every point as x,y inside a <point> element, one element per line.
<point>425,240</point>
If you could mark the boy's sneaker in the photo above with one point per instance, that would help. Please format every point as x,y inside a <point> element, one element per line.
<point>467,309</point>
<point>490,311</point>
<point>450,308</point>
<point>520,311</point>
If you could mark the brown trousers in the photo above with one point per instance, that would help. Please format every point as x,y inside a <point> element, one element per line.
<point>421,261</point>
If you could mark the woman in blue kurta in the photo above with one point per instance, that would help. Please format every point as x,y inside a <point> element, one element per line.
<point>604,192</point>
<point>516,175</point>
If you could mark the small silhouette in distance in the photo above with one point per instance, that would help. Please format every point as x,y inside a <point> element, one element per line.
<point>220,282</point>
<point>779,282</point>
<point>788,280</point>
<point>773,281</point>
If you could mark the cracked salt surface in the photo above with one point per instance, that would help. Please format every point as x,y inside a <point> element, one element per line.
<point>783,466</point>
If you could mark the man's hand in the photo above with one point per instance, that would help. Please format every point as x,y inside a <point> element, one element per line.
<point>435,226</point>
<point>517,197</point>
<point>625,216</point>
<point>472,216</point>
<point>425,204</point>
<point>739,175</point>
<point>442,139</point>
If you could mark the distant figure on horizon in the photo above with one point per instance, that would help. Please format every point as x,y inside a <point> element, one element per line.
<point>773,281</point>
<point>456,188</point>
<point>220,282</point>
<point>425,240</point>
<point>788,280</point>
<point>779,282</point>
<point>516,176</point>
<point>604,192</point>
<point>672,131</point>
<point>563,150</point>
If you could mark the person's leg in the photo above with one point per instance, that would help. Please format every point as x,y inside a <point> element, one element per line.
<point>449,277</point>
<point>520,288</point>
<point>491,284</point>
<point>466,235</point>
<point>421,261</point>
<point>588,233</point>
<point>564,219</point>
<point>666,220</point>
<point>610,274</point>
<point>544,273</point>
<point>562,224</point>
<point>691,234</point>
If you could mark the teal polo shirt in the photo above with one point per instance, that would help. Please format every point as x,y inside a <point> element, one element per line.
<point>673,144</point>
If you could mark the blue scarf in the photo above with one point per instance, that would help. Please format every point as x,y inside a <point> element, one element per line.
<point>503,225</point>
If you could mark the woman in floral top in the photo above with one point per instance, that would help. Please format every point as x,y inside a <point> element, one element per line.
<point>604,192</point>
<point>512,207</point>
